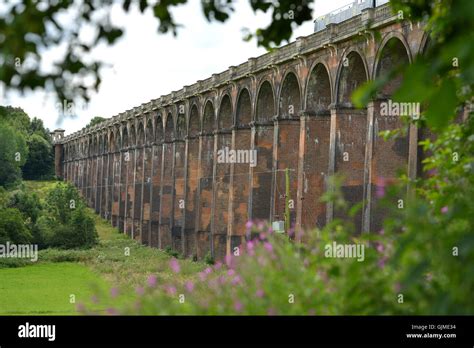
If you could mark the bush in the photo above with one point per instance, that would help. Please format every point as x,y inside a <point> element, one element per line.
<point>80,232</point>
<point>66,222</point>
<point>12,227</point>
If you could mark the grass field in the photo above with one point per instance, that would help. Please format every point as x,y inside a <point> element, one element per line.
<point>117,261</point>
<point>46,288</point>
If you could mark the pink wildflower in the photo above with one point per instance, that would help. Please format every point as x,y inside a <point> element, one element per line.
<point>268,247</point>
<point>444,210</point>
<point>189,286</point>
<point>238,306</point>
<point>151,281</point>
<point>114,292</point>
<point>174,264</point>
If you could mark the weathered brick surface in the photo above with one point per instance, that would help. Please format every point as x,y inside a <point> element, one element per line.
<point>293,106</point>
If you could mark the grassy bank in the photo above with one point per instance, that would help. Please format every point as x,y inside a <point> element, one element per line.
<point>116,265</point>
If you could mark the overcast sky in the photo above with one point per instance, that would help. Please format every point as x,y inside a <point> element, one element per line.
<point>147,65</point>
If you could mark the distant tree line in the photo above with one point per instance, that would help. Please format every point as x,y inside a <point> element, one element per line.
<point>26,147</point>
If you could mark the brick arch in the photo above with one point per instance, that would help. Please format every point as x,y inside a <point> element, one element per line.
<point>101,148</point>
<point>350,77</point>
<point>208,117</point>
<point>224,118</point>
<point>318,89</point>
<point>149,132</point>
<point>244,108</point>
<point>132,136</point>
<point>112,147</point>
<point>265,105</point>
<point>425,43</point>
<point>125,138</point>
<point>92,144</point>
<point>289,101</point>
<point>193,123</point>
<point>169,127</point>
<point>159,128</point>
<point>140,133</point>
<point>181,126</point>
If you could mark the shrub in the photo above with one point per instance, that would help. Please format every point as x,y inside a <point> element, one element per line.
<point>12,227</point>
<point>79,232</point>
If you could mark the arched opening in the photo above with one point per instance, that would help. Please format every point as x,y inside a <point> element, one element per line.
<point>318,95</point>
<point>352,75</point>
<point>133,136</point>
<point>169,129</point>
<point>140,134</point>
<point>208,119</point>
<point>112,142</point>
<point>158,129</point>
<point>149,132</point>
<point>265,102</point>
<point>225,113</point>
<point>125,143</point>
<point>181,127</point>
<point>244,108</point>
<point>194,121</point>
<point>290,97</point>
<point>393,55</point>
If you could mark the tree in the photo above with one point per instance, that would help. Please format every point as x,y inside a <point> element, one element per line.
<point>29,27</point>
<point>37,127</point>
<point>40,161</point>
<point>95,120</point>
<point>13,154</point>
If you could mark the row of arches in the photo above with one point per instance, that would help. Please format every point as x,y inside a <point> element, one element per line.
<point>320,94</point>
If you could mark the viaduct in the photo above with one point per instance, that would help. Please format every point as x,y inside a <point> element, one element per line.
<point>154,171</point>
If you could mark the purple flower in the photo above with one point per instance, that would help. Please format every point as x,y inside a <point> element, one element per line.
<point>268,247</point>
<point>218,265</point>
<point>381,262</point>
<point>171,290</point>
<point>174,264</point>
<point>139,290</point>
<point>250,245</point>
<point>208,270</point>
<point>95,299</point>
<point>189,286</point>
<point>228,260</point>
<point>249,225</point>
<point>151,281</point>
<point>114,292</point>
<point>444,209</point>
<point>236,280</point>
<point>259,293</point>
<point>112,311</point>
<point>380,247</point>
<point>238,306</point>
<point>202,276</point>
<point>271,311</point>
<point>80,307</point>
<point>230,272</point>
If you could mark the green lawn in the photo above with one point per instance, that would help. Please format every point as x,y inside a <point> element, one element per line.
<point>46,288</point>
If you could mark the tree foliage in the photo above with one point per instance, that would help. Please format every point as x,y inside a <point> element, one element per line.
<point>29,28</point>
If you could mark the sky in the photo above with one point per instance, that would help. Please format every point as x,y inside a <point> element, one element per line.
<point>145,64</point>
